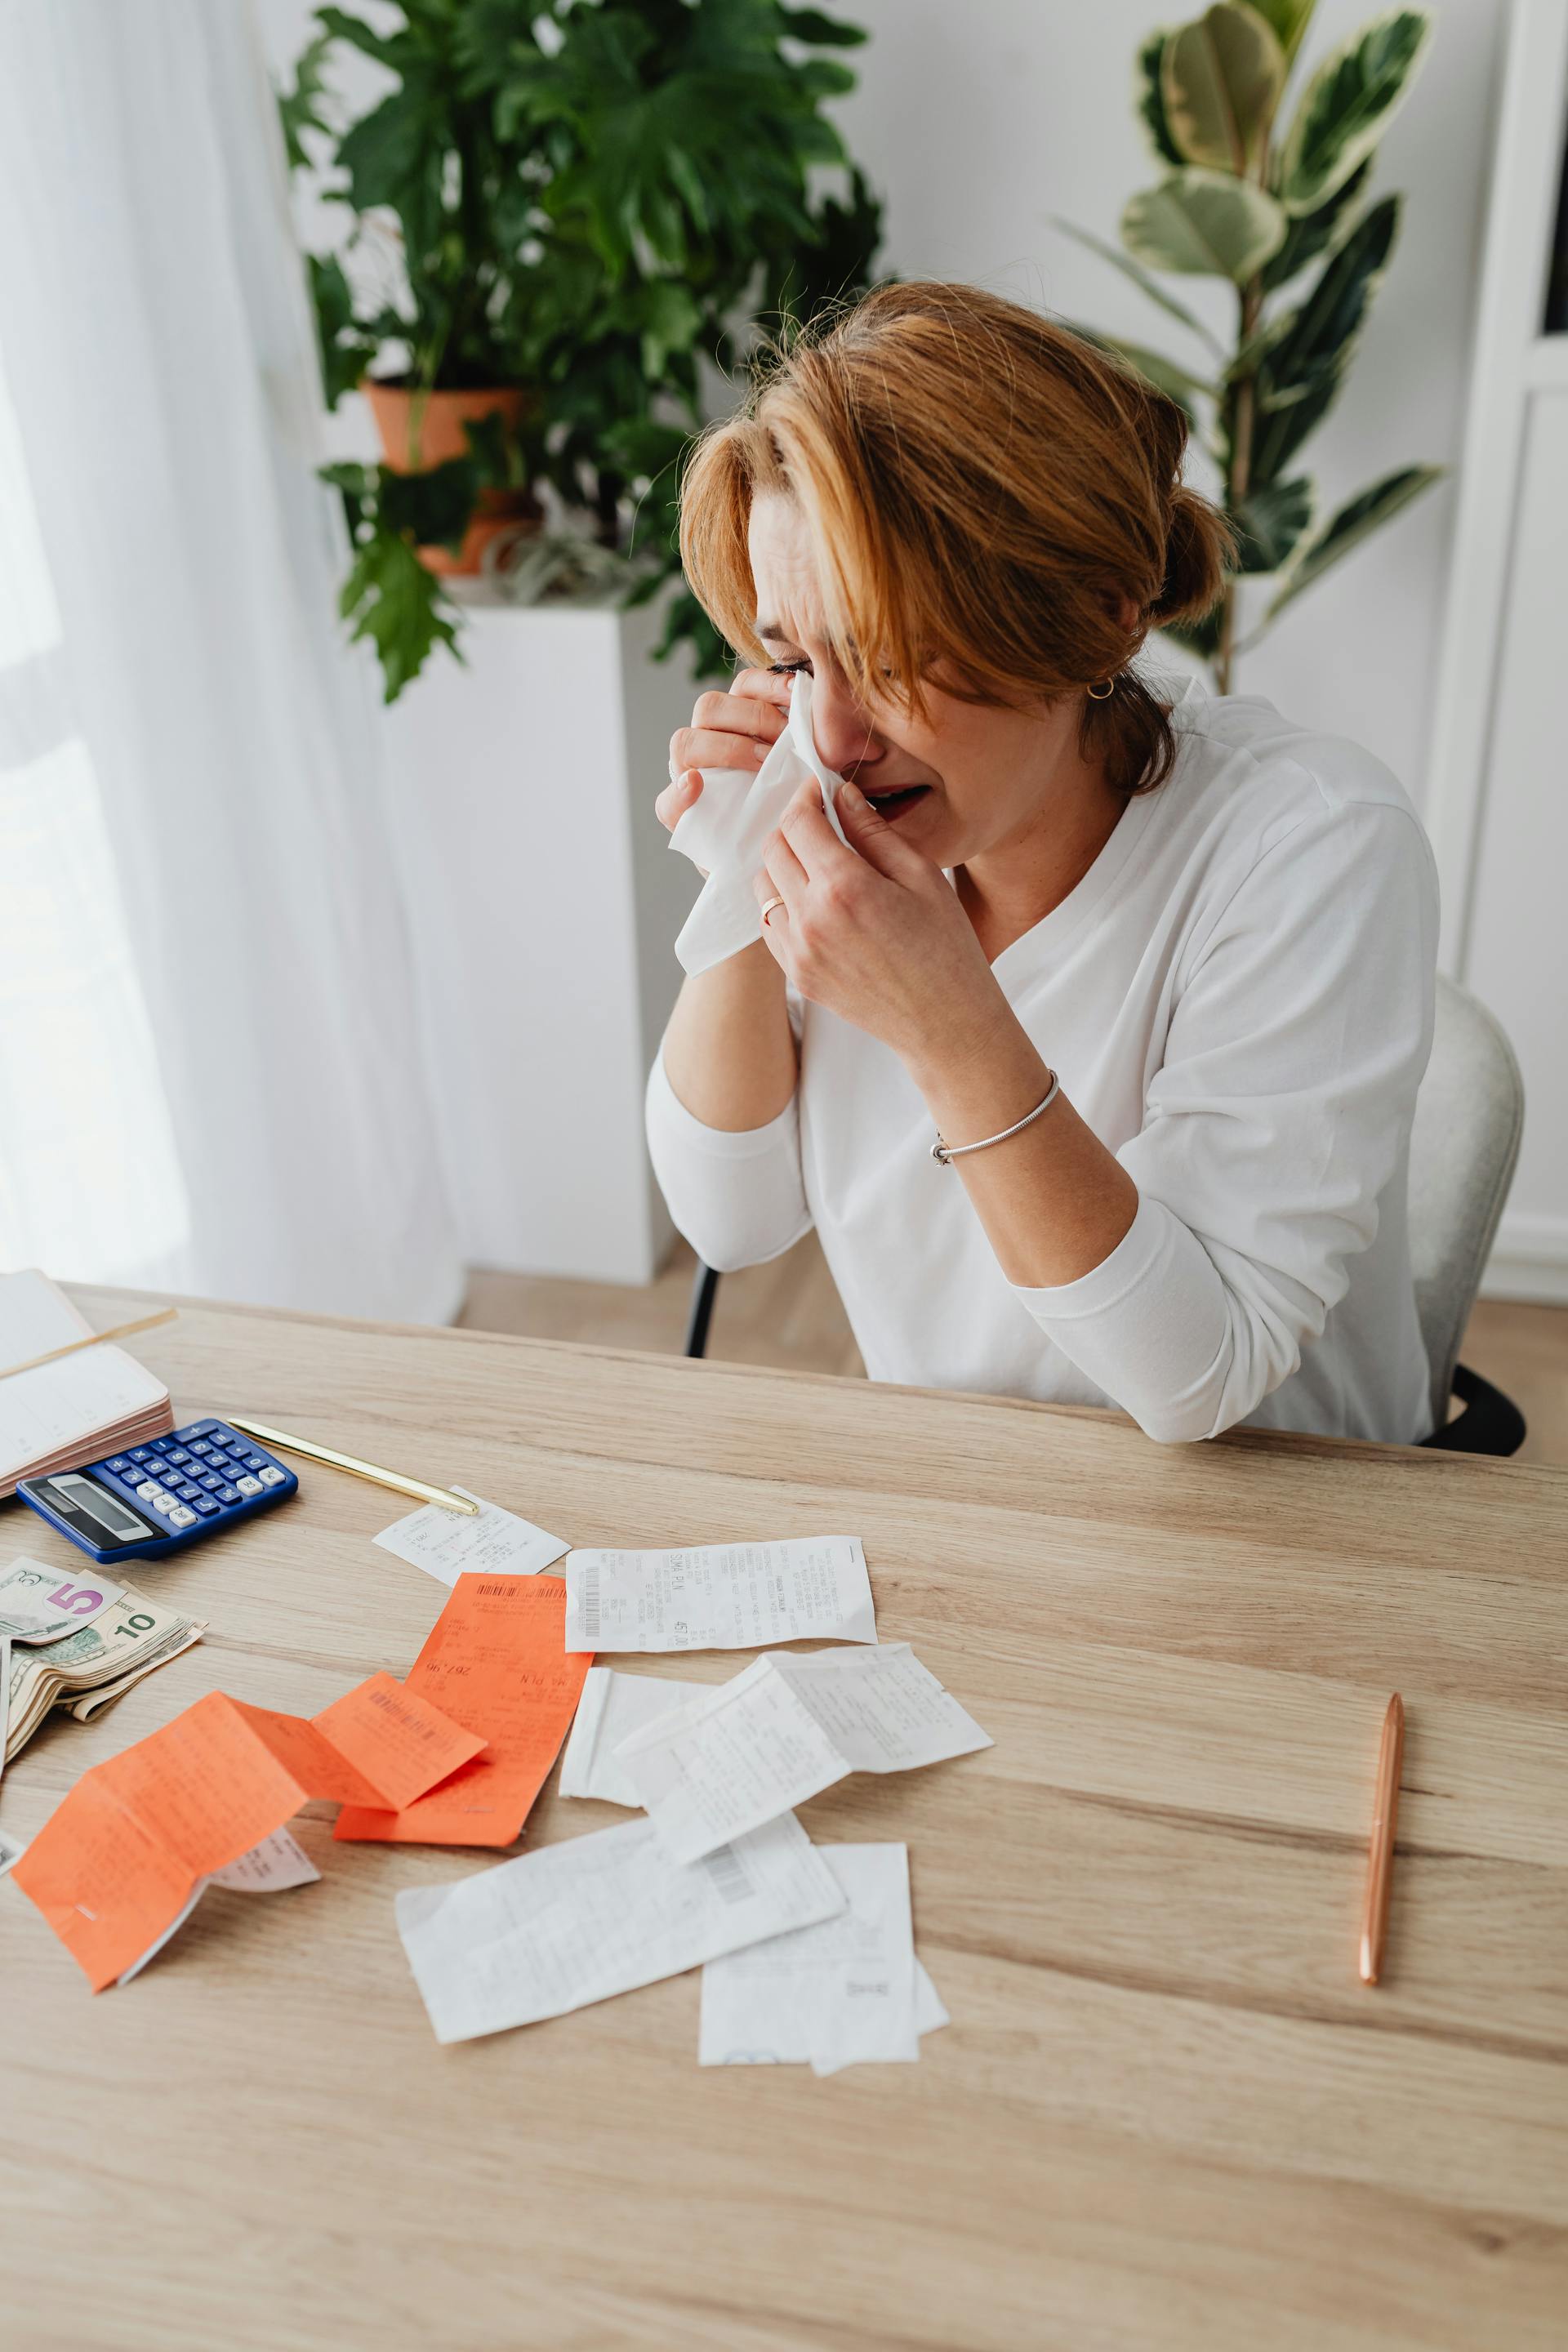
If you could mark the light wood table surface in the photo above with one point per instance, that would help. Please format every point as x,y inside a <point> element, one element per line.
<point>1165,2114</point>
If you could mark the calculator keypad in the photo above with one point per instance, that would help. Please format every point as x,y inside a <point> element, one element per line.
<point>195,1478</point>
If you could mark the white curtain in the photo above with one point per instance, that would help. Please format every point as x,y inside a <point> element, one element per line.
<point>209,1073</point>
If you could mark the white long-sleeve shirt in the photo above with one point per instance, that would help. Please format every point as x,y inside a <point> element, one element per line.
<point>1238,997</point>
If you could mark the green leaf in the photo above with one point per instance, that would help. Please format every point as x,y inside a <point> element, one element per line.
<point>1355,520</point>
<point>822,32</point>
<point>300,108</point>
<point>1312,232</point>
<point>1221,80</point>
<point>1150,100</point>
<point>1269,523</point>
<point>1348,105</point>
<point>1203,224</point>
<point>386,49</point>
<point>390,151</point>
<point>1309,350</point>
<point>1287,20</point>
<point>347,347</point>
<point>1142,280</point>
<point>1201,637</point>
<point>1177,382</point>
<point>1336,305</point>
<point>432,506</point>
<point>392,600</point>
<point>672,322</point>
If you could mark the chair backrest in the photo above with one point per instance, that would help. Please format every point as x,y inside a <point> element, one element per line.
<point>1469,1116</point>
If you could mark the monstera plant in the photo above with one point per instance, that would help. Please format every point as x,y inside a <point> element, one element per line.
<point>1267,190</point>
<point>557,213</point>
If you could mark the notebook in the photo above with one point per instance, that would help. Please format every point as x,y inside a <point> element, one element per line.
<point>98,1401</point>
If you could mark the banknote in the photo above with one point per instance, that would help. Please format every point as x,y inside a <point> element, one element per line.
<point>96,1665</point>
<point>84,1709</point>
<point>38,1603</point>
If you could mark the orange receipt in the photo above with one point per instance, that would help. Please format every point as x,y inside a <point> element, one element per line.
<point>401,1742</point>
<point>497,1661</point>
<point>120,1858</point>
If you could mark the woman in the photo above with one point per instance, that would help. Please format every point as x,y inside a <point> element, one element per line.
<point>1157,966</point>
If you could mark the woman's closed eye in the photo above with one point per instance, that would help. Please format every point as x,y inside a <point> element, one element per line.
<point>797,667</point>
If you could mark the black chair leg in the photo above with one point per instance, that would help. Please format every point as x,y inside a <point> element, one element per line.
<point>1491,1423</point>
<point>704,1291</point>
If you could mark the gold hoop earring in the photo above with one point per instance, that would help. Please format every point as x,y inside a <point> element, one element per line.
<point>1103,691</point>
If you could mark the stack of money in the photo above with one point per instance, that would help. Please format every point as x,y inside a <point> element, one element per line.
<point>89,1666</point>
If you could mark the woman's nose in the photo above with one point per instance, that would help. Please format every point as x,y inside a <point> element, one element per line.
<point>842,728</point>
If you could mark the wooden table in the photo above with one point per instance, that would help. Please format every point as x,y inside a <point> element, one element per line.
<point>1165,2113</point>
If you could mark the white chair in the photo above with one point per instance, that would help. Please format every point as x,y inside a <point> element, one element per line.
<point>1469,1116</point>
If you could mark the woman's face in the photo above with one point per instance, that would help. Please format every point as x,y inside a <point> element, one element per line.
<point>964,781</point>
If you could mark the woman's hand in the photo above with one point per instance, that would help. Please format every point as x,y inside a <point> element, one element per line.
<point>737,729</point>
<point>876,933</point>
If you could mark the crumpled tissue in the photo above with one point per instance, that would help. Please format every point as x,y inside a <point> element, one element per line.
<point>728,829</point>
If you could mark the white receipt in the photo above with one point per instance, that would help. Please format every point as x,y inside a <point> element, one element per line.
<point>611,1708</point>
<point>721,1596</point>
<point>447,1546</point>
<point>787,1727</point>
<point>848,1991</point>
<point>577,1923</point>
<point>278,1862</point>
<point>726,830</point>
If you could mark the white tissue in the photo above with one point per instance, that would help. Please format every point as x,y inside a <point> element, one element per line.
<point>728,828</point>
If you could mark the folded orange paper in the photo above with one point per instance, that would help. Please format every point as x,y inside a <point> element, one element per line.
<point>119,1858</point>
<point>496,1660</point>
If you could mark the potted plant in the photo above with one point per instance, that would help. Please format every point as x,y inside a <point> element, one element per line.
<point>589,203</point>
<point>1258,199</point>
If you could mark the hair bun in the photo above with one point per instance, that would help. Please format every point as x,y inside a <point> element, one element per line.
<point>1199,544</point>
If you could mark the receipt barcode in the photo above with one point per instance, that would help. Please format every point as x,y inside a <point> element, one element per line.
<point>591,1606</point>
<point>729,1879</point>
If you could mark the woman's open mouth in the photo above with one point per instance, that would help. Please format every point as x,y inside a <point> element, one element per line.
<point>892,805</point>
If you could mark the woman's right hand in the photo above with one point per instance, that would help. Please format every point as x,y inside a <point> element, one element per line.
<point>737,729</point>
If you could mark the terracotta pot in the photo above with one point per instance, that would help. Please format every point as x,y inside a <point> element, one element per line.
<point>420,430</point>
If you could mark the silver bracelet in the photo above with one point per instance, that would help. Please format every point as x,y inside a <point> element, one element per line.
<point>948,1153</point>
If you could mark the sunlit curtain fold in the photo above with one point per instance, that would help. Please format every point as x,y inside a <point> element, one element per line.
<point>208,1067</point>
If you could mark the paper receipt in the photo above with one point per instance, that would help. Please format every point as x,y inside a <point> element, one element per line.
<point>721,1596</point>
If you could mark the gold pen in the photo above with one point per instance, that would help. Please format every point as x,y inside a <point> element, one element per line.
<point>355,1468</point>
<point>1380,1861</point>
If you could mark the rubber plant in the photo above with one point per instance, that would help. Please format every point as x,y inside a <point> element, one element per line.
<point>595,201</point>
<point>1273,200</point>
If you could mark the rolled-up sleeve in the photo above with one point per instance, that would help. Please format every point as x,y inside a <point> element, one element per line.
<point>738,1199</point>
<point>1277,1117</point>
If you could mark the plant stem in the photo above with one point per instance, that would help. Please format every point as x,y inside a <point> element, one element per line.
<point>1239,473</point>
<point>608,490</point>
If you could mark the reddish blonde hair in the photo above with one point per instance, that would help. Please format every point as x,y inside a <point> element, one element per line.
<point>985,492</point>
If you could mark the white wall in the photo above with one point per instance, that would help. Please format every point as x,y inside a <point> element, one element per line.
<point>980,120</point>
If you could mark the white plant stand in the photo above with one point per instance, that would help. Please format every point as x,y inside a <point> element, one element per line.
<point>543,904</point>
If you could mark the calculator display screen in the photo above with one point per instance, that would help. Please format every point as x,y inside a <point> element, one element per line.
<point>84,1498</point>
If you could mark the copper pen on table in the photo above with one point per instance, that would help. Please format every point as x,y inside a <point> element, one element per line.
<point>1380,1861</point>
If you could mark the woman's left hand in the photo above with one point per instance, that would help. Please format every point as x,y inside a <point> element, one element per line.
<point>875,932</point>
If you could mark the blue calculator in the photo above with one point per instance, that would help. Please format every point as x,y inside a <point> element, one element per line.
<point>157,1498</point>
